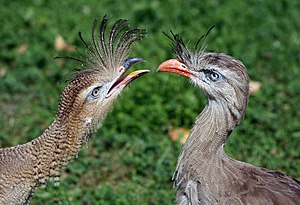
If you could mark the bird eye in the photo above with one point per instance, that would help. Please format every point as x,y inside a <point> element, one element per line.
<point>214,76</point>
<point>96,92</point>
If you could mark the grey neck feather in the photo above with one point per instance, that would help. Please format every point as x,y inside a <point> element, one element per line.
<point>205,143</point>
<point>212,128</point>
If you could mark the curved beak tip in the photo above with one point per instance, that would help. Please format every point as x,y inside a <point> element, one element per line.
<point>171,63</point>
<point>174,66</point>
<point>131,61</point>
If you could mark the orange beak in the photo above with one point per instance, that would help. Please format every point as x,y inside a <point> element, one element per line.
<point>174,66</point>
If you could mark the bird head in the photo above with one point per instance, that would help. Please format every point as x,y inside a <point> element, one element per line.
<point>92,91</point>
<point>221,77</point>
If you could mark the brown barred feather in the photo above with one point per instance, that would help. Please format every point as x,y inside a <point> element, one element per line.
<point>25,167</point>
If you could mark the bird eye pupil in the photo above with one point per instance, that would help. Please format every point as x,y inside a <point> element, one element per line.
<point>214,76</point>
<point>95,92</point>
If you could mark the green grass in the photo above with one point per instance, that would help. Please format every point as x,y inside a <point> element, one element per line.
<point>130,160</point>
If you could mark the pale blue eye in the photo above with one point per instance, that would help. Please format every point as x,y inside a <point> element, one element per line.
<point>95,93</point>
<point>214,76</point>
<point>211,75</point>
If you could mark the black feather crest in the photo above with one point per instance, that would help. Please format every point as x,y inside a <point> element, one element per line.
<point>108,49</point>
<point>182,52</point>
<point>178,47</point>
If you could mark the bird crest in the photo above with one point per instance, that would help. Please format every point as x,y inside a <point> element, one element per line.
<point>106,52</point>
<point>108,49</point>
<point>183,53</point>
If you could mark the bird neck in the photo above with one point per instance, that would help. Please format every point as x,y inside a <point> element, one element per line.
<point>57,146</point>
<point>204,146</point>
<point>212,128</point>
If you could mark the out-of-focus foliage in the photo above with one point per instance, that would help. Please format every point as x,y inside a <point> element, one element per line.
<point>130,160</point>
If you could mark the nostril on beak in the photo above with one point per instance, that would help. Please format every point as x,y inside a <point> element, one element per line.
<point>122,70</point>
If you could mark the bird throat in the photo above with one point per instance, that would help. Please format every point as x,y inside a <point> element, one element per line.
<point>211,130</point>
<point>204,147</point>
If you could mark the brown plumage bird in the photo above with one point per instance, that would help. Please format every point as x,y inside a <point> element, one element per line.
<point>83,105</point>
<point>205,174</point>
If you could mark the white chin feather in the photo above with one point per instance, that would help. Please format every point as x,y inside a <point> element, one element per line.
<point>88,122</point>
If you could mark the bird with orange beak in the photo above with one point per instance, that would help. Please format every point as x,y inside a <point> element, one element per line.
<point>205,174</point>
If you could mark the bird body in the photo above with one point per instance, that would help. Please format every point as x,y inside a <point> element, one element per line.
<point>83,105</point>
<point>205,174</point>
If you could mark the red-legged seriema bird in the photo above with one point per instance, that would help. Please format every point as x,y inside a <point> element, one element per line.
<point>205,174</point>
<point>83,105</point>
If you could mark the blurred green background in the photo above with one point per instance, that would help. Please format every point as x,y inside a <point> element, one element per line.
<point>131,159</point>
